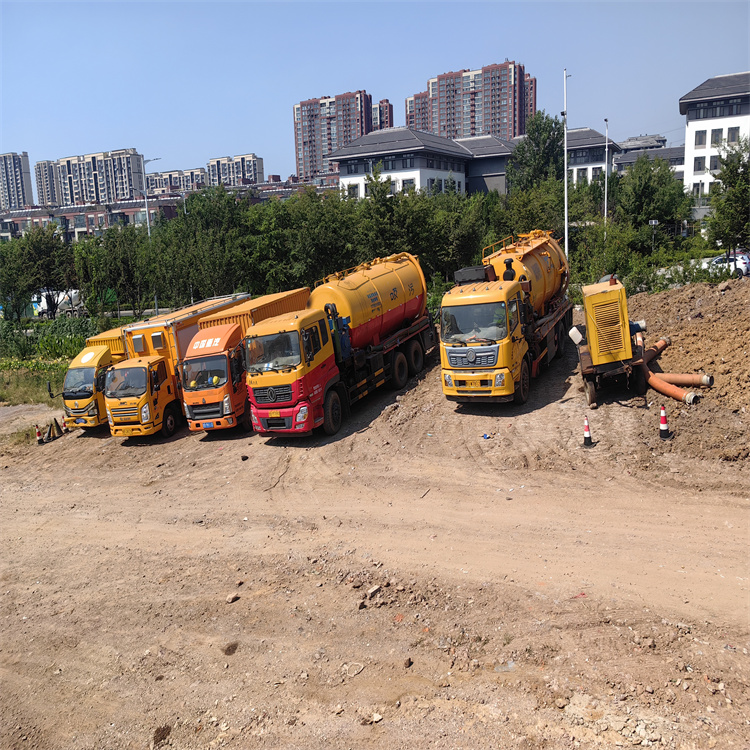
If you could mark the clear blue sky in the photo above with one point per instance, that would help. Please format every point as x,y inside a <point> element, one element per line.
<point>190,81</point>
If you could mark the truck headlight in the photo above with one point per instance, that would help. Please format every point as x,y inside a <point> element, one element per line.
<point>109,417</point>
<point>145,413</point>
<point>500,380</point>
<point>188,411</point>
<point>448,380</point>
<point>301,415</point>
<point>254,418</point>
<point>227,404</point>
<point>92,411</point>
<point>67,411</point>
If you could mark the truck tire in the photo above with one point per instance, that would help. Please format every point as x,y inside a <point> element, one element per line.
<point>169,425</point>
<point>562,340</point>
<point>414,357</point>
<point>332,414</point>
<point>400,371</point>
<point>589,389</point>
<point>523,386</point>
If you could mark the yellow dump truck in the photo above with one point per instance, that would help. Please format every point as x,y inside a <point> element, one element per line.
<point>83,388</point>
<point>504,320</point>
<point>143,393</point>
<point>213,371</point>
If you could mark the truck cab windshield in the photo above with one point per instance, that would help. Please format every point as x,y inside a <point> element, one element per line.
<point>79,383</point>
<point>129,381</point>
<point>204,372</point>
<point>484,323</point>
<point>277,351</point>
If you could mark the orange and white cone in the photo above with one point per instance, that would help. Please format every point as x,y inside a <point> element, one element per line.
<point>39,438</point>
<point>587,441</point>
<point>664,432</point>
<point>64,426</point>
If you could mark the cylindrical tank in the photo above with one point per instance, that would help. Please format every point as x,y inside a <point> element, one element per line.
<point>538,258</point>
<point>380,297</point>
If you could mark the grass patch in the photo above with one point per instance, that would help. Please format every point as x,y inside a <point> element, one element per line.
<point>28,384</point>
<point>21,438</point>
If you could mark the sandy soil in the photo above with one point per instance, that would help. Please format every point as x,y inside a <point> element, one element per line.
<point>435,576</point>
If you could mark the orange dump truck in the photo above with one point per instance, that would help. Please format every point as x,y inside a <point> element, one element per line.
<point>360,329</point>
<point>143,393</point>
<point>214,390</point>
<point>505,319</point>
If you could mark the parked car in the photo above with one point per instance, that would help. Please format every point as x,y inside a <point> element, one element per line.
<point>738,263</point>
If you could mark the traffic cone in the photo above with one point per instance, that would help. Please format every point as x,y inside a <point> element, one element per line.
<point>587,441</point>
<point>56,429</point>
<point>39,438</point>
<point>49,436</point>
<point>664,432</point>
<point>65,426</point>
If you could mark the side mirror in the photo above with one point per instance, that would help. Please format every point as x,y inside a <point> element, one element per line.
<point>49,389</point>
<point>307,345</point>
<point>154,381</point>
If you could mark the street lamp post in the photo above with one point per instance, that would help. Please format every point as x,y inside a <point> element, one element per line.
<point>565,152</point>
<point>606,170</point>
<point>654,223</point>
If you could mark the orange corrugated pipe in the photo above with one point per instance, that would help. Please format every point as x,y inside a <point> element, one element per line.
<point>690,379</point>
<point>655,382</point>
<point>656,349</point>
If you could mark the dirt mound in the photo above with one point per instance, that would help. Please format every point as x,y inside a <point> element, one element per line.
<point>435,575</point>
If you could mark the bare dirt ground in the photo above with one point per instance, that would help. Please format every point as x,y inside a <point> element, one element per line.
<point>433,577</point>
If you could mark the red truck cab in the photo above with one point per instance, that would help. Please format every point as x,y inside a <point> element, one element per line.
<point>291,368</point>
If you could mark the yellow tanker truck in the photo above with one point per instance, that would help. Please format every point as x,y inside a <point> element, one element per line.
<point>504,320</point>
<point>83,387</point>
<point>361,328</point>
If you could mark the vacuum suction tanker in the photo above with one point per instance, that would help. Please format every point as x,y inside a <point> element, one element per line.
<point>505,319</point>
<point>361,328</point>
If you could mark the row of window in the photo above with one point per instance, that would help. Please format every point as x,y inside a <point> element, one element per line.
<point>405,163</point>
<point>717,136</point>
<point>353,191</point>
<point>699,164</point>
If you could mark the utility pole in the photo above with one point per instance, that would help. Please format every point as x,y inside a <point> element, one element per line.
<point>606,171</point>
<point>565,152</point>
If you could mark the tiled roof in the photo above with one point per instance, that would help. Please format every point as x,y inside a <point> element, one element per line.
<point>484,146</point>
<point>718,87</point>
<point>586,137</point>
<point>399,141</point>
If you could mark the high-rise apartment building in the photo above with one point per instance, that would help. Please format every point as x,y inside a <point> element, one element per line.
<point>105,177</point>
<point>324,125</point>
<point>494,100</point>
<point>15,181</point>
<point>232,171</point>
<point>417,112</point>
<point>47,183</point>
<point>382,115</point>
<point>177,180</point>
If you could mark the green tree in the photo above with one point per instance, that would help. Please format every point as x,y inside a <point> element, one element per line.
<point>648,190</point>
<point>539,155</point>
<point>729,221</point>
<point>18,280</point>
<point>52,263</point>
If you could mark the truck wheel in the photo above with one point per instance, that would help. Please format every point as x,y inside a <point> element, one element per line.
<point>400,373</point>
<point>523,386</point>
<point>562,340</point>
<point>169,425</point>
<point>590,390</point>
<point>332,412</point>
<point>415,357</point>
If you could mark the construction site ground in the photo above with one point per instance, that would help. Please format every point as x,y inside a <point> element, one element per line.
<point>434,576</point>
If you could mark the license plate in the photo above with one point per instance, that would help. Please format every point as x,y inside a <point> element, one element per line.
<point>274,413</point>
<point>80,421</point>
<point>207,425</point>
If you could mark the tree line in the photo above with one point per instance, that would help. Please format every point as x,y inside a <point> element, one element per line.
<point>223,244</point>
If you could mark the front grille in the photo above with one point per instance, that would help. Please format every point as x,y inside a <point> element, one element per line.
<point>277,423</point>
<point>206,411</point>
<point>127,415</point>
<point>79,412</point>
<point>484,356</point>
<point>277,394</point>
<point>473,392</point>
